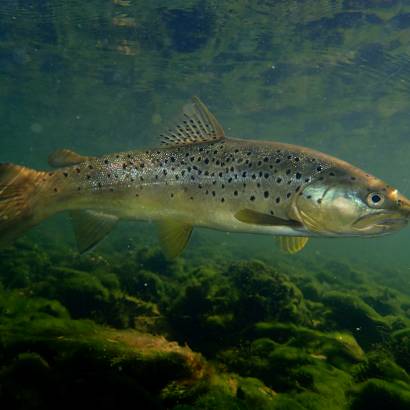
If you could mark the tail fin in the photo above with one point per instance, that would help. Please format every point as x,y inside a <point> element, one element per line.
<point>18,200</point>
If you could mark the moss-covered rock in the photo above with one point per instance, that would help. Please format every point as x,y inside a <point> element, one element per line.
<point>351,313</point>
<point>73,360</point>
<point>380,365</point>
<point>380,395</point>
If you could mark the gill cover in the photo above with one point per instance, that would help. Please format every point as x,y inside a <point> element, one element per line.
<point>329,209</point>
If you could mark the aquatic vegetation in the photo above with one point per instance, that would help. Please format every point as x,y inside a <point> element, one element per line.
<point>266,337</point>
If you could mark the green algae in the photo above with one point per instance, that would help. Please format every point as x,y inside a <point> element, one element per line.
<point>103,317</point>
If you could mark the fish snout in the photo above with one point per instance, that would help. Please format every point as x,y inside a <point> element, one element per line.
<point>404,207</point>
<point>403,203</point>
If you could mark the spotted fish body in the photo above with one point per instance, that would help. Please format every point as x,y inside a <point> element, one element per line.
<point>201,178</point>
<point>202,184</point>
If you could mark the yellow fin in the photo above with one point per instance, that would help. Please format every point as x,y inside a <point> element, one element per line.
<point>292,244</point>
<point>90,227</point>
<point>196,125</point>
<point>65,157</point>
<point>174,237</point>
<point>258,218</point>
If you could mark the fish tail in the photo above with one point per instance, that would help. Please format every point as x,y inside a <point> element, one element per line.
<point>19,201</point>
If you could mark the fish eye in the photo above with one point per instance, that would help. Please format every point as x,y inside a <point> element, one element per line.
<point>375,199</point>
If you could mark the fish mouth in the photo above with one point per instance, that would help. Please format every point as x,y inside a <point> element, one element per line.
<point>381,222</point>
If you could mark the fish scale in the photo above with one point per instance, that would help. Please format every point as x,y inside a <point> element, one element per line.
<point>199,177</point>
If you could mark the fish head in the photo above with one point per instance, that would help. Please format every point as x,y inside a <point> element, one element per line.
<point>356,204</point>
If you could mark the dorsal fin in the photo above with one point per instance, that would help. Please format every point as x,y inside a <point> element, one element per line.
<point>196,125</point>
<point>65,157</point>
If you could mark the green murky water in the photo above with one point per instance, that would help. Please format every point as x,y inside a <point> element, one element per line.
<point>326,328</point>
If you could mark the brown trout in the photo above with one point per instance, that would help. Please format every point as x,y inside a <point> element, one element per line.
<point>199,177</point>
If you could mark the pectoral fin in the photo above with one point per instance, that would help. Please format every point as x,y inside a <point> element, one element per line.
<point>90,227</point>
<point>292,244</point>
<point>258,218</point>
<point>65,157</point>
<point>173,236</point>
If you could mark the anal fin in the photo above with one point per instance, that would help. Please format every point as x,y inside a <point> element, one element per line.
<point>292,244</point>
<point>90,227</point>
<point>173,236</point>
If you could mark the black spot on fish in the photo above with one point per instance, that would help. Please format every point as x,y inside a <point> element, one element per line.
<point>55,190</point>
<point>90,167</point>
<point>222,199</point>
<point>288,171</point>
<point>332,174</point>
<point>279,180</point>
<point>319,201</point>
<point>235,193</point>
<point>252,198</point>
<point>124,166</point>
<point>65,174</point>
<point>266,194</point>
<point>244,174</point>
<point>297,159</point>
<point>88,176</point>
<point>298,175</point>
<point>266,175</point>
<point>277,199</point>
<point>277,160</point>
<point>288,195</point>
<point>213,193</point>
<point>78,170</point>
<point>319,168</point>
